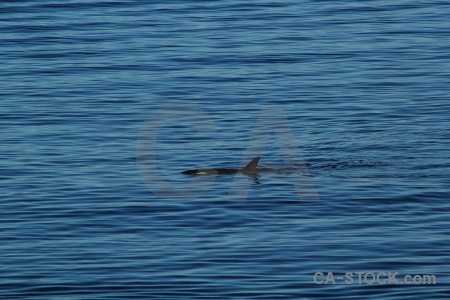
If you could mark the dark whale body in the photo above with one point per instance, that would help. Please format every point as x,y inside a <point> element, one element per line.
<point>250,169</point>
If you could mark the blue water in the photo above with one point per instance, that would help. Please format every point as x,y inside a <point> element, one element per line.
<point>363,87</point>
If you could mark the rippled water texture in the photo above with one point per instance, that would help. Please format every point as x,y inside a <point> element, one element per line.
<point>105,103</point>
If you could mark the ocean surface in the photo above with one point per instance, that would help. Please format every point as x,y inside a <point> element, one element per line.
<point>103,105</point>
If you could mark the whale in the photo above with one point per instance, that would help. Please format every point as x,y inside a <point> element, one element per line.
<point>249,169</point>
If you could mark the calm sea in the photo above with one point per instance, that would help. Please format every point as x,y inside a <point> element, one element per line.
<point>104,103</point>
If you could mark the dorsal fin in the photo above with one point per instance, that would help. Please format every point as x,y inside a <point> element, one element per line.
<point>251,167</point>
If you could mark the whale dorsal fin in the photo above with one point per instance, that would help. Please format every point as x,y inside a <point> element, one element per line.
<point>251,167</point>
